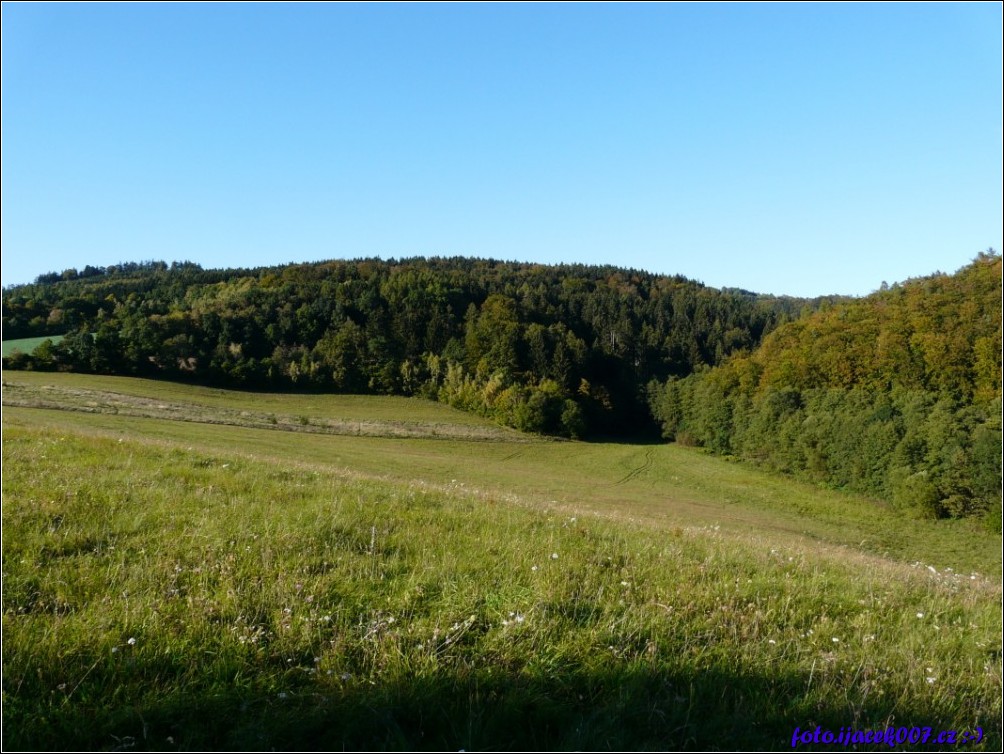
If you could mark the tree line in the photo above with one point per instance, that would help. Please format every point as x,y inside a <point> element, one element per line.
<point>566,349</point>
<point>897,395</point>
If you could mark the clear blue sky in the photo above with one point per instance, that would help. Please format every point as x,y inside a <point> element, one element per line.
<point>787,149</point>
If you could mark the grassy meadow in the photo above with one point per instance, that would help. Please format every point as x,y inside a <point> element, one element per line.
<point>26,345</point>
<point>178,575</point>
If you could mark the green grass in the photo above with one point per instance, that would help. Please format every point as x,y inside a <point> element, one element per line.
<point>344,407</point>
<point>300,591</point>
<point>345,415</point>
<point>27,345</point>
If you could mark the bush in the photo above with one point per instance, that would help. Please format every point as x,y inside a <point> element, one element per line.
<point>573,421</point>
<point>915,493</point>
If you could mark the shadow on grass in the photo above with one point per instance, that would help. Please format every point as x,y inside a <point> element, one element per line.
<point>628,709</point>
<point>635,438</point>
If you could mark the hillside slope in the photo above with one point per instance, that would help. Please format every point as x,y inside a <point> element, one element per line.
<point>897,394</point>
<point>561,349</point>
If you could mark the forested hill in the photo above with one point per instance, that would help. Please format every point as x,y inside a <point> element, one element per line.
<point>559,349</point>
<point>897,394</point>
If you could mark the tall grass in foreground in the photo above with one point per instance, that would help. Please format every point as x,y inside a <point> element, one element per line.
<point>163,598</point>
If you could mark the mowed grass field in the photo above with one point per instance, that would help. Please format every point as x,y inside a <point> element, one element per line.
<point>175,584</point>
<point>26,345</point>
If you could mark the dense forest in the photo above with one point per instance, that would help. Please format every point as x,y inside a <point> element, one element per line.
<point>897,394</point>
<point>553,349</point>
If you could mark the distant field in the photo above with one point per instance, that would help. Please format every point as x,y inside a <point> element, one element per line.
<point>27,345</point>
<point>379,416</point>
<point>178,581</point>
<point>348,407</point>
